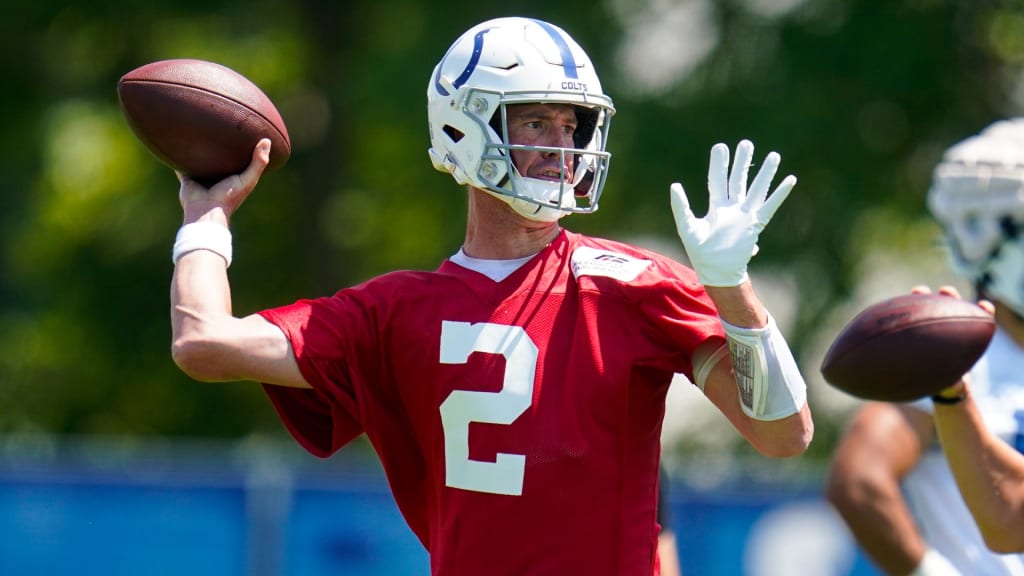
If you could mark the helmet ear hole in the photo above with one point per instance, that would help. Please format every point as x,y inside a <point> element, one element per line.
<point>586,122</point>
<point>495,124</point>
<point>454,133</point>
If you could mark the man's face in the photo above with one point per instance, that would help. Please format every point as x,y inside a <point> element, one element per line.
<point>542,125</point>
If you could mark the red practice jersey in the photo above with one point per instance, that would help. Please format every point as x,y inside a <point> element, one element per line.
<point>518,422</point>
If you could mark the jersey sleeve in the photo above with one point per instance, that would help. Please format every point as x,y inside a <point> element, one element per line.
<point>675,313</point>
<point>679,313</point>
<point>327,417</point>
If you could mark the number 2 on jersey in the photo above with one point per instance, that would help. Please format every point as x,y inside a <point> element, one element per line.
<point>461,407</point>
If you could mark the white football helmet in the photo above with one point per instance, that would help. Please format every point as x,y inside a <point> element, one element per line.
<point>518,61</point>
<point>977,195</point>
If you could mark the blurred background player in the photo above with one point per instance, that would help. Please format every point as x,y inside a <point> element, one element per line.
<point>515,395</point>
<point>890,480</point>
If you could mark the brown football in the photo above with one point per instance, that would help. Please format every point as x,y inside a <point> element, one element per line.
<point>201,118</point>
<point>908,347</point>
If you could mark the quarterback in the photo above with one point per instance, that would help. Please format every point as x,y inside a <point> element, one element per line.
<point>515,394</point>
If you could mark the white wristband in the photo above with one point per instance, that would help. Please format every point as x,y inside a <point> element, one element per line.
<point>203,236</point>
<point>935,564</point>
<point>769,380</point>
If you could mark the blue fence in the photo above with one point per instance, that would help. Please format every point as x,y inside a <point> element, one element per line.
<point>135,508</point>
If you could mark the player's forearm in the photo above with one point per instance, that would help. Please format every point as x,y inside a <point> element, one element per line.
<point>784,438</point>
<point>989,473</point>
<point>780,438</point>
<point>880,521</point>
<point>739,305</point>
<point>896,549</point>
<point>772,391</point>
<point>200,298</point>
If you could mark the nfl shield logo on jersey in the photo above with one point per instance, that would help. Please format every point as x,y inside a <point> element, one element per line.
<point>587,261</point>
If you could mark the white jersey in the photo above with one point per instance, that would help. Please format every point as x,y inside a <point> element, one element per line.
<point>997,385</point>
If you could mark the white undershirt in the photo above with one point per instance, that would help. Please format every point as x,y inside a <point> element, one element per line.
<point>496,270</point>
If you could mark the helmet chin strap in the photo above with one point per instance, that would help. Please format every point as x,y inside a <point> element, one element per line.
<point>530,210</point>
<point>547,200</point>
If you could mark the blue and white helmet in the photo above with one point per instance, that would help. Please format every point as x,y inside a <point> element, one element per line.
<point>518,61</point>
<point>977,195</point>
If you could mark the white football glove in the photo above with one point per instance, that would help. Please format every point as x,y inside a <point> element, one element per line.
<point>722,243</point>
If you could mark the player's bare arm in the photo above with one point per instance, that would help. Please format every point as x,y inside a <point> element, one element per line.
<point>988,471</point>
<point>784,437</point>
<point>208,342</point>
<point>883,443</point>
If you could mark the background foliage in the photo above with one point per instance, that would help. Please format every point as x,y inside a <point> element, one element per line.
<point>860,98</point>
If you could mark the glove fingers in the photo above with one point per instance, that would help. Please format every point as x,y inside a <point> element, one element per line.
<point>759,188</point>
<point>718,175</point>
<point>684,216</point>
<point>740,166</point>
<point>765,213</point>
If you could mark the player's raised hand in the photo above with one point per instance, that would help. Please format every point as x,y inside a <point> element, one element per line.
<point>227,195</point>
<point>721,244</point>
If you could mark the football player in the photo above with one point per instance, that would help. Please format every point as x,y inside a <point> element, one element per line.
<point>515,394</point>
<point>890,479</point>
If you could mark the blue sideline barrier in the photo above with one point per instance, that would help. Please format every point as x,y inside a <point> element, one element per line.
<point>167,509</point>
